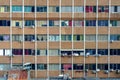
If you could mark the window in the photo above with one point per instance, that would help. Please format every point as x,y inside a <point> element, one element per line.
<point>115,9</point>
<point>103,66</point>
<point>42,52</point>
<point>102,22</point>
<point>66,9</point>
<point>66,53</point>
<point>54,67</point>
<point>53,23</point>
<point>90,38</point>
<point>78,66</point>
<point>29,52</point>
<point>66,37</point>
<point>5,52</point>
<point>17,37</point>
<point>78,38</point>
<point>90,8</point>
<point>4,37</point>
<point>90,52</point>
<point>114,51</point>
<point>42,23</point>
<point>41,8</point>
<point>78,9</point>
<point>29,37</point>
<point>114,66</point>
<point>115,37</point>
<point>90,22</point>
<point>17,51</point>
<point>16,8</point>
<point>29,23</point>
<point>4,22</point>
<point>78,23</point>
<point>66,23</point>
<point>115,23</point>
<point>90,66</point>
<point>17,23</point>
<point>103,51</point>
<point>54,52</point>
<point>54,9</point>
<point>102,37</point>
<point>103,8</point>
<point>29,9</point>
<point>66,66</point>
<point>4,9</point>
<point>41,66</point>
<point>4,66</point>
<point>41,37</point>
<point>54,38</point>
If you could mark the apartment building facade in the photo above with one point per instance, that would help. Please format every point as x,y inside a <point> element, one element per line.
<point>78,38</point>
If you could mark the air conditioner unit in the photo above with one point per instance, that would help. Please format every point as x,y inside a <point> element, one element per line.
<point>118,71</point>
<point>98,55</point>
<point>20,40</point>
<point>87,54</point>
<point>75,54</point>
<point>97,70</point>
<point>94,71</point>
<point>111,70</point>
<point>86,70</point>
<point>106,71</point>
<point>111,41</point>
<point>33,26</point>
<point>33,40</point>
<point>20,27</point>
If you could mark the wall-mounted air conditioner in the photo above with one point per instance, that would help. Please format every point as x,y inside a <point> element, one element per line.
<point>94,71</point>
<point>111,70</point>
<point>106,71</point>
<point>117,71</point>
<point>111,41</point>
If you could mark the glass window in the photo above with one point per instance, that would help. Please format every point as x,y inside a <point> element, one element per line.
<point>66,9</point>
<point>103,8</point>
<point>4,22</point>
<point>53,52</point>
<point>54,38</point>
<point>66,37</point>
<point>90,22</point>
<point>66,66</point>
<point>54,67</point>
<point>29,37</point>
<point>16,8</point>
<point>29,23</point>
<point>90,52</point>
<point>5,52</point>
<point>29,9</point>
<point>4,67</point>
<point>102,22</point>
<point>41,37</point>
<point>42,52</point>
<point>41,66</point>
<point>54,9</point>
<point>103,51</point>
<point>78,38</point>
<point>4,9</point>
<point>78,23</point>
<point>17,23</point>
<point>90,8</point>
<point>79,9</point>
<point>115,37</point>
<point>66,23</point>
<point>17,51</point>
<point>29,52</point>
<point>53,23</point>
<point>41,8</point>
<point>42,23</point>
<point>4,37</point>
<point>115,9</point>
<point>78,66</point>
<point>102,37</point>
<point>17,37</point>
<point>90,38</point>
